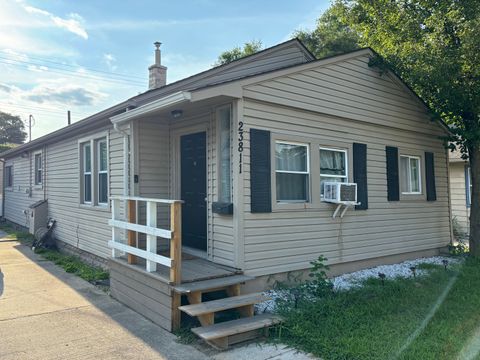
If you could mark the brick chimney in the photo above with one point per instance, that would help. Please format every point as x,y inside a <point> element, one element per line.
<point>157,73</point>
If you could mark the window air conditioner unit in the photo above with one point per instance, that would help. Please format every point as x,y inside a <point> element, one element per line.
<point>340,193</point>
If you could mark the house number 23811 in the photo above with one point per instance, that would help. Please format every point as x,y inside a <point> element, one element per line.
<point>240,146</point>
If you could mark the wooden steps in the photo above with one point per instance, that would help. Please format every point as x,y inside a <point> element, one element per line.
<point>223,304</point>
<point>227,333</point>
<point>223,334</point>
<point>212,284</point>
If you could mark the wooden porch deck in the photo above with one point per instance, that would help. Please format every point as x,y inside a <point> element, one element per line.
<point>193,269</point>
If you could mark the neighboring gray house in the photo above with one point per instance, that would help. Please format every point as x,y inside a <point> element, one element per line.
<point>248,147</point>
<point>460,190</point>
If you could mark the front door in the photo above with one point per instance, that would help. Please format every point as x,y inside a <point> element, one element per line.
<point>193,154</point>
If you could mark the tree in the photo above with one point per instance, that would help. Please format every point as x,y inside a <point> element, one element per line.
<point>434,46</point>
<point>12,129</point>
<point>332,36</point>
<point>237,52</point>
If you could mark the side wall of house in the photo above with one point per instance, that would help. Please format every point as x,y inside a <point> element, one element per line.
<point>460,211</point>
<point>24,192</point>
<point>81,226</point>
<point>334,106</point>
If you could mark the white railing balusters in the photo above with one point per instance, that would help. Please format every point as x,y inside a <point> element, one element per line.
<point>151,239</point>
<point>150,230</point>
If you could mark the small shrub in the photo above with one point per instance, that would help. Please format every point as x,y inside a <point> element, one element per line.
<point>460,248</point>
<point>320,285</point>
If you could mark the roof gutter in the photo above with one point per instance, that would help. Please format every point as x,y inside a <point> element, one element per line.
<point>152,107</point>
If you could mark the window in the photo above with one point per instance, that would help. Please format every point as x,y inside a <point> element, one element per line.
<point>102,173</point>
<point>87,172</point>
<point>292,172</point>
<point>224,128</point>
<point>38,169</point>
<point>94,171</point>
<point>333,166</point>
<point>9,176</point>
<point>410,180</point>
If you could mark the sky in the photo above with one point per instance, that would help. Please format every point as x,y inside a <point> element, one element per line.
<point>85,56</point>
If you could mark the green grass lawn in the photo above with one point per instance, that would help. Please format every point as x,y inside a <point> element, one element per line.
<point>430,317</point>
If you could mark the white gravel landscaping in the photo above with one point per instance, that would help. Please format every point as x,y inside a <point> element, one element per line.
<point>355,279</point>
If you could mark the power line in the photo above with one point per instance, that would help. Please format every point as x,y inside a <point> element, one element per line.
<point>86,68</point>
<point>29,109</point>
<point>65,72</point>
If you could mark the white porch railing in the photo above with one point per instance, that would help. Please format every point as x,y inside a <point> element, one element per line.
<point>174,234</point>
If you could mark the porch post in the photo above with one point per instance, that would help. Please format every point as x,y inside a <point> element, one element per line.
<point>176,257</point>
<point>176,242</point>
<point>132,235</point>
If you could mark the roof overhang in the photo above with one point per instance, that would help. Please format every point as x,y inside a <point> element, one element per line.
<point>153,107</point>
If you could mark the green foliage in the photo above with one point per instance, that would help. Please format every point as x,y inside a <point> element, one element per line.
<point>320,285</point>
<point>73,264</point>
<point>458,231</point>
<point>459,249</point>
<point>296,292</point>
<point>332,36</point>
<point>12,129</point>
<point>185,336</point>
<point>238,52</point>
<point>433,46</point>
<point>375,321</point>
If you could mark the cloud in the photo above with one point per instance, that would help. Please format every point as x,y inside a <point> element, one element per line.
<point>110,61</point>
<point>65,95</point>
<point>6,88</point>
<point>72,23</point>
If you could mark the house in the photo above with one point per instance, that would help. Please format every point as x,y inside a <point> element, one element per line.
<point>217,180</point>
<point>460,189</point>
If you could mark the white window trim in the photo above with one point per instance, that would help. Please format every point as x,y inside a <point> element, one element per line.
<point>307,172</point>
<point>10,187</point>
<point>92,140</point>
<point>85,173</point>
<point>232,140</point>
<point>37,184</point>
<point>345,151</point>
<point>409,174</point>
<point>97,157</point>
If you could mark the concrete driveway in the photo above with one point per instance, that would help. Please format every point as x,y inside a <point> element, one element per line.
<point>46,313</point>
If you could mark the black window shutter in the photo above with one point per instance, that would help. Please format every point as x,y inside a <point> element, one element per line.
<point>393,188</point>
<point>260,171</point>
<point>430,176</point>
<point>360,174</point>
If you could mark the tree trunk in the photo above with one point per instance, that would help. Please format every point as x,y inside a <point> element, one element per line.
<point>474,241</point>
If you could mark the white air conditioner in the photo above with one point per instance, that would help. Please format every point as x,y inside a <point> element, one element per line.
<point>340,193</point>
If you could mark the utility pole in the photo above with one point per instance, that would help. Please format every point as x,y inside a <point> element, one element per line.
<point>31,122</point>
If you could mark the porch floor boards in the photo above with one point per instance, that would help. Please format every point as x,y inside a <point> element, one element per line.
<point>193,269</point>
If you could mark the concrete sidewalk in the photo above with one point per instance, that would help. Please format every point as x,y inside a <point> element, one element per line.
<point>46,313</point>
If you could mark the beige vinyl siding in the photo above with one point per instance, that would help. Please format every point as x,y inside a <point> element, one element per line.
<point>366,108</point>
<point>460,211</point>
<point>80,225</point>
<point>17,198</point>
<point>347,89</point>
<point>154,171</point>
